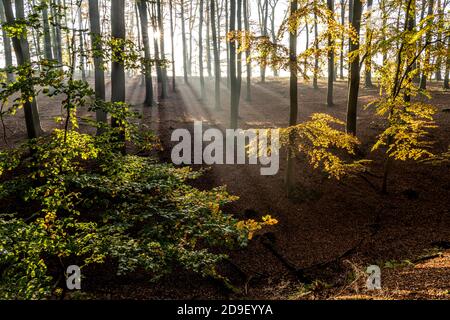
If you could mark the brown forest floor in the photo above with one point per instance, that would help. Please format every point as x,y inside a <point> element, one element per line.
<point>329,233</point>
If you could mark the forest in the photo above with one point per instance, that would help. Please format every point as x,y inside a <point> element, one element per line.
<point>224,149</point>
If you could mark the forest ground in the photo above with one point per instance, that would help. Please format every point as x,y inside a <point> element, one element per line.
<point>328,233</point>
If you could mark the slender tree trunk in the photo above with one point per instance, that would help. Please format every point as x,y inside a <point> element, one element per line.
<point>234,99</point>
<point>56,32</point>
<point>117,66</point>
<point>227,27</point>
<point>159,72</point>
<point>172,44</point>
<point>200,52</point>
<point>330,5</point>
<point>208,40</point>
<point>341,58</point>
<point>272,30</point>
<point>22,51</point>
<point>6,45</point>
<point>447,66</point>
<point>352,104</point>
<point>81,40</point>
<point>94,17</point>
<point>183,37</point>
<point>247,53</point>
<point>368,62</point>
<point>47,37</point>
<point>216,57</point>
<point>426,63</point>
<point>239,56</point>
<point>263,7</point>
<point>293,114</point>
<point>162,48</point>
<point>316,47</point>
<point>438,74</point>
<point>143,14</point>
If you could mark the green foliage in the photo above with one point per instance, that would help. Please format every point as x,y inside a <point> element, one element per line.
<point>78,201</point>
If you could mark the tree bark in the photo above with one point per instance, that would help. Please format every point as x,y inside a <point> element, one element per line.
<point>22,51</point>
<point>142,8</point>
<point>216,57</point>
<point>94,17</point>
<point>293,114</point>
<point>162,48</point>
<point>234,99</point>
<point>425,73</point>
<point>117,66</point>
<point>352,103</point>
<point>183,40</point>
<point>200,52</point>
<point>368,62</point>
<point>330,5</point>
<point>6,45</point>
<point>172,44</point>
<point>247,54</point>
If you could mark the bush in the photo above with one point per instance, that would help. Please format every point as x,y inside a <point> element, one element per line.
<point>74,200</point>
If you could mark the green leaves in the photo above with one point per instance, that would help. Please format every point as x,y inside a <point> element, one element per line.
<point>79,201</point>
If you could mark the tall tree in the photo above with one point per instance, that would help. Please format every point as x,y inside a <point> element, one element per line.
<point>160,32</point>
<point>47,37</point>
<point>200,52</point>
<point>316,47</point>
<point>368,61</point>
<point>239,55</point>
<point>330,6</point>
<point>293,114</point>
<point>6,45</point>
<point>263,15</point>
<point>341,57</point>
<point>352,103</point>
<point>172,44</point>
<point>117,64</point>
<point>94,18</point>
<point>183,40</point>
<point>143,14</point>
<point>22,51</point>
<point>216,56</point>
<point>234,98</point>
<point>247,53</point>
<point>447,66</point>
<point>440,11</point>
<point>427,58</point>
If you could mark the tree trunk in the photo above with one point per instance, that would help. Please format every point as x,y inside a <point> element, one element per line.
<point>234,99</point>
<point>208,40</point>
<point>200,52</point>
<point>94,18</point>
<point>117,66</point>
<point>368,63</point>
<point>22,51</point>
<point>293,114</point>
<point>426,63</point>
<point>247,53</point>
<point>341,57</point>
<point>216,57</point>
<point>438,74</point>
<point>316,46</point>
<point>183,39</point>
<point>330,5</point>
<point>239,56</point>
<point>6,45</point>
<point>47,38</point>
<point>352,103</point>
<point>172,44</point>
<point>162,48</point>
<point>143,14</point>
<point>81,40</point>
<point>447,66</point>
